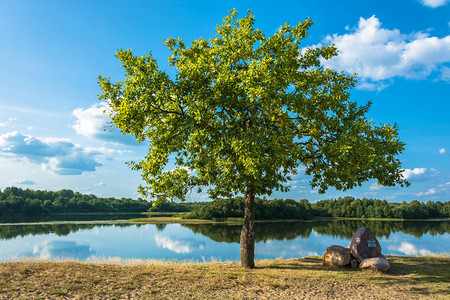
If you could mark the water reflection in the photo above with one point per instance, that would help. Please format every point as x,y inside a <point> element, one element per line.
<point>198,241</point>
<point>343,229</point>
<point>60,250</point>
<point>179,245</point>
<point>409,249</point>
<point>68,217</point>
<point>265,231</point>
<point>11,231</point>
<point>160,227</point>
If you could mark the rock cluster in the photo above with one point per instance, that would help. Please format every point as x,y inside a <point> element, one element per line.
<point>364,250</point>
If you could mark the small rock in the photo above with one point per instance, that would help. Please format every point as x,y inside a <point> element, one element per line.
<point>336,256</point>
<point>375,263</point>
<point>354,263</point>
<point>364,244</point>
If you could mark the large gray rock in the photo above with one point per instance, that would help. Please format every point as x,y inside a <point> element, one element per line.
<point>364,244</point>
<point>375,263</point>
<point>336,256</point>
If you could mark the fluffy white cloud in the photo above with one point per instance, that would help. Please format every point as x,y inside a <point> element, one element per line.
<point>442,151</point>
<point>408,173</point>
<point>377,54</point>
<point>32,147</point>
<point>74,163</point>
<point>93,122</point>
<point>57,156</point>
<point>434,3</point>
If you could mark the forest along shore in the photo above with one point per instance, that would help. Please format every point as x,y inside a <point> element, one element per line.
<point>26,202</point>
<point>409,277</point>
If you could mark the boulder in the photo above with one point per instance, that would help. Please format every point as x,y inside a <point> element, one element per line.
<point>364,245</point>
<point>375,263</point>
<point>336,256</point>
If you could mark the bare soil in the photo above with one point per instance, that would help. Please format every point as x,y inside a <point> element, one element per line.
<point>304,278</point>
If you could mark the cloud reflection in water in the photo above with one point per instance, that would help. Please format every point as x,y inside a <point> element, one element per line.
<point>60,250</point>
<point>409,249</point>
<point>179,245</point>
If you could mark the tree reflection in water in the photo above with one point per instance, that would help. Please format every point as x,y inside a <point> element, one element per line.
<point>264,231</point>
<point>344,229</point>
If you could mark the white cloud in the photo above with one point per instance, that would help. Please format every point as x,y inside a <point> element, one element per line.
<point>100,184</point>
<point>434,3</point>
<point>58,156</point>
<point>93,122</point>
<point>75,163</point>
<point>408,173</point>
<point>442,151</point>
<point>430,192</point>
<point>6,123</point>
<point>445,74</point>
<point>370,86</point>
<point>32,147</point>
<point>374,187</point>
<point>377,54</point>
<point>23,181</point>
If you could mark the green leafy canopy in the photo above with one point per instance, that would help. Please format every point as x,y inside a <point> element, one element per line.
<point>244,112</point>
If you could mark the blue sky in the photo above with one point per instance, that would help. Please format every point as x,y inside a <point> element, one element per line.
<point>52,129</point>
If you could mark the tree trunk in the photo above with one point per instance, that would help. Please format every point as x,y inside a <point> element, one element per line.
<point>248,232</point>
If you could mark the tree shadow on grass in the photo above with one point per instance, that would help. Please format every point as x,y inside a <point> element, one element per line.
<point>427,276</point>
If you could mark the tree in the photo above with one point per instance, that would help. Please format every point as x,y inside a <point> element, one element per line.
<point>243,112</point>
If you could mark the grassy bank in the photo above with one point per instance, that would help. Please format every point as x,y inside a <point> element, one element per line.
<point>168,220</point>
<point>156,218</point>
<point>409,278</point>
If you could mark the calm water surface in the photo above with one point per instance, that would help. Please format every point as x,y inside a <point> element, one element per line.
<point>81,240</point>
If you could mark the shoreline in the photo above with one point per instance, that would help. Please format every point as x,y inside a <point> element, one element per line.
<point>176,218</point>
<point>157,220</point>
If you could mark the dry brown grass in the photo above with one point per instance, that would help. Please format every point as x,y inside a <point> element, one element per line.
<point>305,278</point>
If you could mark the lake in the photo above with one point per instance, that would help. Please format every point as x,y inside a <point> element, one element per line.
<point>101,240</point>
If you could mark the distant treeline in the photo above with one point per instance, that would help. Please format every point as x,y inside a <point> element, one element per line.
<point>220,209</point>
<point>14,201</point>
<point>347,207</point>
<point>373,208</point>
